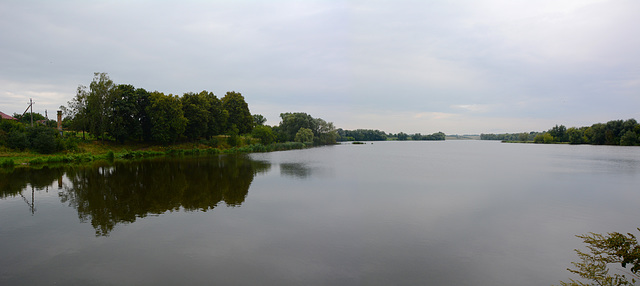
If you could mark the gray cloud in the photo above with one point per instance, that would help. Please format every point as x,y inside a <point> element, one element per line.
<point>413,66</point>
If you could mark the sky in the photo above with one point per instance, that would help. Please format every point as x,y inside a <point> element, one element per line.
<point>460,67</point>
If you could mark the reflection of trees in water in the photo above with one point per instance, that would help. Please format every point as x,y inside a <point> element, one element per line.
<point>297,170</point>
<point>128,190</point>
<point>120,193</point>
<point>14,182</point>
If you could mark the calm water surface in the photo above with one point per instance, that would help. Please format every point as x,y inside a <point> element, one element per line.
<point>387,213</point>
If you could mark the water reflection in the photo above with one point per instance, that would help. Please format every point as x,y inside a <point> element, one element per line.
<point>124,191</point>
<point>295,170</point>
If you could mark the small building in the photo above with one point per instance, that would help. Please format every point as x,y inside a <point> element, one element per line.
<point>5,116</point>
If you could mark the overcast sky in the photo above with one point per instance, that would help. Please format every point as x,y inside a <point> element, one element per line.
<point>460,67</point>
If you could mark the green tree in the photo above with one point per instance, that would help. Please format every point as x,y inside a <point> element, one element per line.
<point>559,133</point>
<point>196,111</point>
<point>238,109</point>
<point>124,122</point>
<point>292,122</point>
<point>143,99</point>
<point>218,117</point>
<point>325,132</point>
<point>304,135</point>
<point>523,137</point>
<point>98,100</point>
<point>258,119</point>
<point>264,134</point>
<point>403,136</point>
<point>613,248</point>
<point>629,138</point>
<point>165,112</point>
<point>575,135</point>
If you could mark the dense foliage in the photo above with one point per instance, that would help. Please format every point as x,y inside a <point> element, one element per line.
<point>377,135</point>
<point>521,137</point>
<point>292,123</point>
<point>615,132</point>
<point>121,112</point>
<point>361,135</point>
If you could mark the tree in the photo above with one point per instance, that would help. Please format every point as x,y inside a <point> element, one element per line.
<point>523,137</point>
<point>403,136</point>
<point>78,111</point>
<point>196,110</point>
<point>629,138</point>
<point>325,133</point>
<point>264,134</point>
<point>143,99</point>
<point>238,109</point>
<point>165,112</point>
<point>258,119</point>
<point>304,135</point>
<point>576,136</point>
<point>98,99</point>
<point>218,117</point>
<point>559,133</point>
<point>124,122</point>
<point>292,122</point>
<point>613,248</point>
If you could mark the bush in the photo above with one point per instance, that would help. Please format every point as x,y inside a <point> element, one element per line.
<point>7,163</point>
<point>44,143</point>
<point>110,155</point>
<point>17,140</point>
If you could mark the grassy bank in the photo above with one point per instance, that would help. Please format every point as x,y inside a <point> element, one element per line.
<point>92,151</point>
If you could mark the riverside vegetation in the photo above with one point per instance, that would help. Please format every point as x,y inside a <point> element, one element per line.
<point>614,132</point>
<point>133,122</point>
<point>119,121</point>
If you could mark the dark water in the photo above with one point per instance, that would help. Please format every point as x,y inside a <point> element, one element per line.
<point>388,213</point>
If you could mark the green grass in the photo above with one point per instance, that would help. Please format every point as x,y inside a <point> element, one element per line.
<point>95,151</point>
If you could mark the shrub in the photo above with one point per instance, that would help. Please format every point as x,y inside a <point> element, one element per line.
<point>7,163</point>
<point>17,140</point>
<point>110,155</point>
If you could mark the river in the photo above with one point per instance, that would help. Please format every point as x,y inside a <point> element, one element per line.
<point>383,213</point>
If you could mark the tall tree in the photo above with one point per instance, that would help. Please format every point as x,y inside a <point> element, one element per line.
<point>143,99</point>
<point>165,112</point>
<point>218,117</point>
<point>98,99</point>
<point>77,110</point>
<point>292,122</point>
<point>325,133</point>
<point>123,116</point>
<point>196,110</point>
<point>238,109</point>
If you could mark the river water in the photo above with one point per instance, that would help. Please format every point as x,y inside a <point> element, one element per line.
<point>383,213</point>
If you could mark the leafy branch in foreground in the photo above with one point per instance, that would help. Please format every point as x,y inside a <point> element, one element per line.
<point>612,248</point>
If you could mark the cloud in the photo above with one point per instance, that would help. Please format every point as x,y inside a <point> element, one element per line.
<point>446,61</point>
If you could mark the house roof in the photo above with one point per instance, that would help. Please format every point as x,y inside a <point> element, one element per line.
<point>5,116</point>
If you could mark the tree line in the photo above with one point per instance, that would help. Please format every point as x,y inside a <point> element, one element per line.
<point>377,135</point>
<point>122,112</point>
<point>614,132</point>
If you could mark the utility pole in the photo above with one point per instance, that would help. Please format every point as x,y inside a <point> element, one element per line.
<point>31,104</point>
<point>25,111</point>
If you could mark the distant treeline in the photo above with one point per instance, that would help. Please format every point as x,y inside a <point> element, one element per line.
<point>615,132</point>
<point>377,135</point>
<point>523,137</point>
<point>361,135</point>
